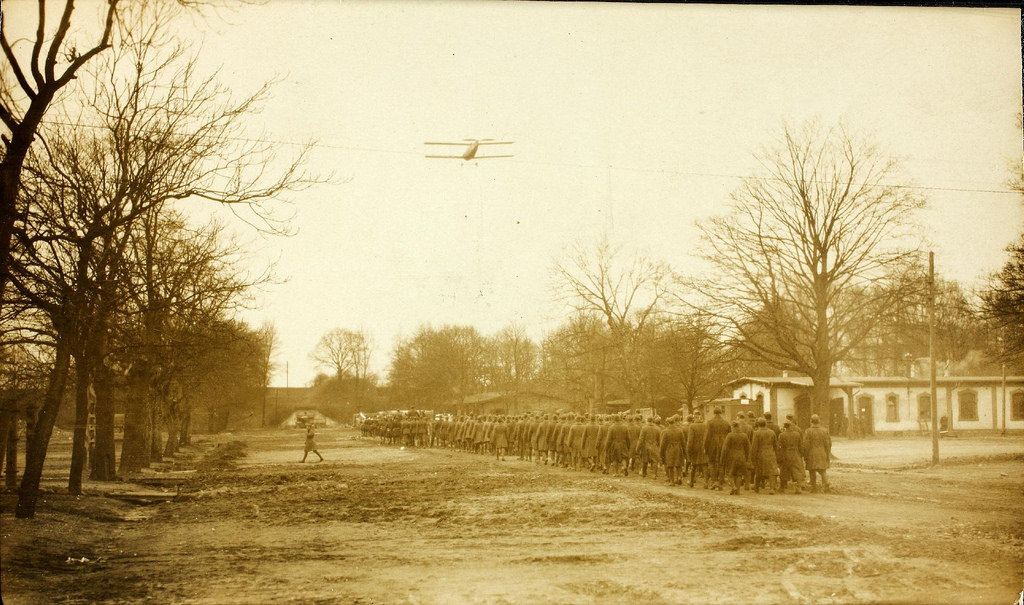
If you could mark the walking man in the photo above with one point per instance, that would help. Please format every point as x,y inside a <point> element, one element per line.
<point>817,446</point>
<point>311,444</point>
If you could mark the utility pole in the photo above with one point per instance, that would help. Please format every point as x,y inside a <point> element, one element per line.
<point>1002,359</point>
<point>931,358</point>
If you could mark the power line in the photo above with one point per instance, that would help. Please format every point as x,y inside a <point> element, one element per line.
<point>318,144</point>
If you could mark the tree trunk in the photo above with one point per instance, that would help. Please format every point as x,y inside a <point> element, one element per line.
<point>9,435</point>
<point>820,400</point>
<point>6,419</point>
<point>79,445</point>
<point>135,445</point>
<point>11,449</point>
<point>10,175</point>
<point>173,434</point>
<point>39,437</point>
<point>104,458</point>
<point>186,427</point>
<point>155,438</point>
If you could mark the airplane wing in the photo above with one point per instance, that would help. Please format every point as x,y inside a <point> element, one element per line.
<point>496,142</point>
<point>489,157</point>
<point>453,157</point>
<point>457,144</point>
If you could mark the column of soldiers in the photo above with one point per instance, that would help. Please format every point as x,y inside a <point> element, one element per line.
<point>749,450</point>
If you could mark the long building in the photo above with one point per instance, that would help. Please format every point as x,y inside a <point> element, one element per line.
<point>866,405</point>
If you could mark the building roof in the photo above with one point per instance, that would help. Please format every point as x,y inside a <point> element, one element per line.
<point>923,380</point>
<point>867,381</point>
<point>790,381</point>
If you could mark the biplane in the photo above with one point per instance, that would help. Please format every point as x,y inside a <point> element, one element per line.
<point>472,147</point>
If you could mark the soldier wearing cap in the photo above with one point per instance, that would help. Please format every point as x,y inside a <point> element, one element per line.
<point>695,452</point>
<point>717,429</point>
<point>817,446</point>
<point>499,438</point>
<point>762,456</point>
<point>735,457</point>
<point>800,431</point>
<point>648,447</point>
<point>790,463</point>
<point>310,445</point>
<point>670,450</point>
<point>617,446</point>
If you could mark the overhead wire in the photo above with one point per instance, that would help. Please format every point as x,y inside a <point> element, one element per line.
<point>317,144</point>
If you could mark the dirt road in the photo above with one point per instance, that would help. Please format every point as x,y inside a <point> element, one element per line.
<point>378,524</point>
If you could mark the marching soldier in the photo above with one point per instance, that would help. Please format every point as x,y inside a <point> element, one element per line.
<point>762,456</point>
<point>648,447</point>
<point>791,466</point>
<point>717,429</point>
<point>670,450</point>
<point>735,457</point>
<point>696,456</point>
<point>817,445</point>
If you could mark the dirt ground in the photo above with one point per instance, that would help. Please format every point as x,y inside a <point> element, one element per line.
<point>379,524</point>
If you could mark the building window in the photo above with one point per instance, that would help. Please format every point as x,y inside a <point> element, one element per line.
<point>1017,406</point>
<point>924,407</point>
<point>892,407</point>
<point>968,406</point>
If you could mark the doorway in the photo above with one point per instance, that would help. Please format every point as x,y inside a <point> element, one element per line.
<point>865,415</point>
<point>836,417</point>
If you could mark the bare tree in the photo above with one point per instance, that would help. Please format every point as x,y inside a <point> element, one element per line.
<point>792,261</point>
<point>269,343</point>
<point>690,359</point>
<point>347,352</point>
<point>185,284</point>
<point>626,293</point>
<point>1003,304</point>
<point>438,367</point>
<point>513,360</point>
<point>575,361</point>
<point>163,134</point>
<point>51,64</point>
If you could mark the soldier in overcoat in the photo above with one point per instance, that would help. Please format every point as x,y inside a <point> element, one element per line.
<point>772,424</point>
<point>763,458</point>
<point>576,430</point>
<point>648,447</point>
<point>817,446</point>
<point>499,438</point>
<point>540,439</point>
<point>670,449</point>
<point>791,458</point>
<point>617,446</point>
<point>800,431</point>
<point>696,456</point>
<point>735,457</point>
<point>717,429</point>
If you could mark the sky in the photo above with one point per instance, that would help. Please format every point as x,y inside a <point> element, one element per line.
<point>635,121</point>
